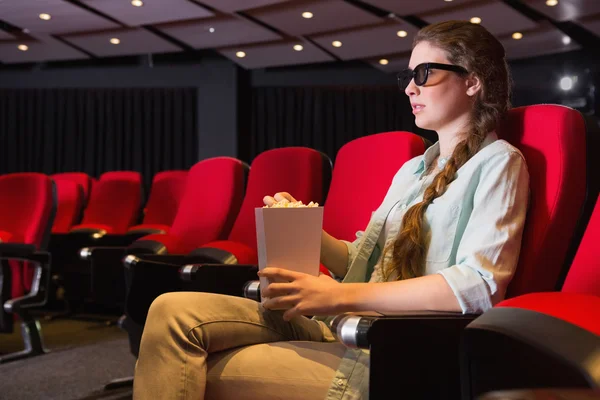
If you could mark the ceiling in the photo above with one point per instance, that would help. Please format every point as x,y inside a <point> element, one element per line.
<point>270,33</point>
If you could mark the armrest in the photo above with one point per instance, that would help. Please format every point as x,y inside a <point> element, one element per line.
<point>25,252</point>
<point>174,260</point>
<point>504,348</point>
<point>543,394</point>
<point>87,253</point>
<point>362,330</point>
<point>38,295</point>
<point>218,278</point>
<point>252,290</point>
<point>423,348</point>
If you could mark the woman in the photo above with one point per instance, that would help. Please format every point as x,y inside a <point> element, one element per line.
<point>446,237</point>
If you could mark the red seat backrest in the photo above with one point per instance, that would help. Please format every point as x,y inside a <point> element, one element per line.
<point>553,140</point>
<point>27,209</point>
<point>70,200</point>
<point>115,202</point>
<point>132,176</point>
<point>211,201</point>
<point>373,161</point>
<point>301,171</point>
<point>165,195</point>
<point>84,180</point>
<point>584,274</point>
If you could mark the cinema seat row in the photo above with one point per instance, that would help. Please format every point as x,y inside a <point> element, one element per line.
<point>204,239</point>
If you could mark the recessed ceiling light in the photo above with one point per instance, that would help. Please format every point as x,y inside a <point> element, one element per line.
<point>336,43</point>
<point>517,36</point>
<point>551,3</point>
<point>475,20</point>
<point>383,61</point>
<point>115,40</point>
<point>298,47</point>
<point>307,15</point>
<point>448,1</point>
<point>137,3</point>
<point>23,47</point>
<point>566,83</point>
<point>45,17</point>
<point>402,33</point>
<point>566,40</point>
<point>211,29</point>
<point>240,54</point>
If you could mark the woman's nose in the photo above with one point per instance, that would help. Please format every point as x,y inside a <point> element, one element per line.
<point>411,89</point>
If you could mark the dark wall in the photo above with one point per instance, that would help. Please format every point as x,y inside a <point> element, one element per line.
<point>216,79</point>
<point>225,90</point>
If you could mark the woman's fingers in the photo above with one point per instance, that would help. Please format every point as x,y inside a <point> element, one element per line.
<point>281,274</point>
<point>280,196</point>
<point>277,289</point>
<point>291,314</point>
<point>284,196</point>
<point>269,201</point>
<point>280,303</point>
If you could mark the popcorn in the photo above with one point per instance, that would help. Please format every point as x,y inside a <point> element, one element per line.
<point>291,204</point>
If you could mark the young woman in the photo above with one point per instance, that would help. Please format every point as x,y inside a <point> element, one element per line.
<point>446,237</point>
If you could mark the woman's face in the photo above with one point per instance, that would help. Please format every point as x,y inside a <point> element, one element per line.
<point>443,102</point>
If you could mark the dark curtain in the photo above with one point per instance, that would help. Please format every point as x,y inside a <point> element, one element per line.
<point>325,118</point>
<point>98,130</point>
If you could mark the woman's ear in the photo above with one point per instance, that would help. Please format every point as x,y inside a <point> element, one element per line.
<point>473,85</point>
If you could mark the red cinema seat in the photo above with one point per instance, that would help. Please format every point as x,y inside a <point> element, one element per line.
<point>556,334</point>
<point>27,210</point>
<point>83,179</point>
<point>70,205</point>
<point>161,208</point>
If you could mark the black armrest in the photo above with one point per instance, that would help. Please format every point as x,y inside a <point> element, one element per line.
<point>89,253</point>
<point>25,252</point>
<point>38,294</point>
<point>510,348</point>
<point>175,260</point>
<point>419,350</point>
<point>543,394</point>
<point>217,278</point>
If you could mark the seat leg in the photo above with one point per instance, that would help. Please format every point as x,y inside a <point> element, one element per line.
<point>31,331</point>
<point>119,383</point>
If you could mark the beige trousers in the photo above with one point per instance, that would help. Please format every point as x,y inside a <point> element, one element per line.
<point>206,346</point>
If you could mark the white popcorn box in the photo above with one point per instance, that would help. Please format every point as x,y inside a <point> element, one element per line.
<point>289,238</point>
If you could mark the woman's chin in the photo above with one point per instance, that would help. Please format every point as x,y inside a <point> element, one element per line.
<point>422,122</point>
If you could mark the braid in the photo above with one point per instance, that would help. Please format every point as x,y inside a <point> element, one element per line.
<point>409,249</point>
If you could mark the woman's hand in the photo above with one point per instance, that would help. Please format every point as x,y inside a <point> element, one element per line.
<point>285,196</point>
<point>302,294</point>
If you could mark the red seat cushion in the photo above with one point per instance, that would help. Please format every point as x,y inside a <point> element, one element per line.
<point>98,227</point>
<point>149,227</point>
<point>5,236</point>
<point>582,310</point>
